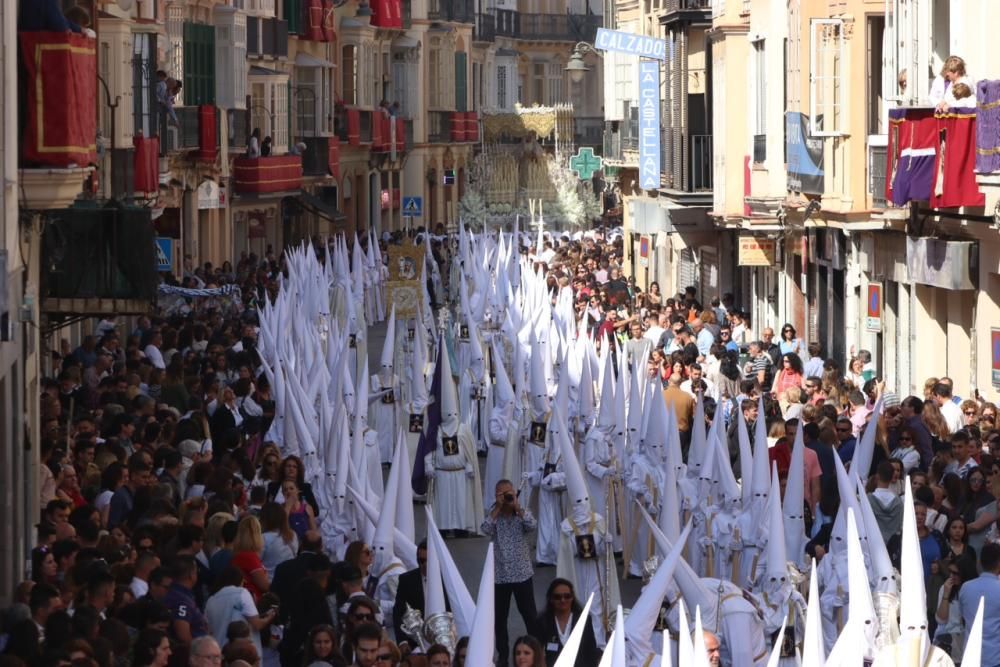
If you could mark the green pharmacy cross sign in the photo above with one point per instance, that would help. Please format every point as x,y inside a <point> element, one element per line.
<point>585,163</point>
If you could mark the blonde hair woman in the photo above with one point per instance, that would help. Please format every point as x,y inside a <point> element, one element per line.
<point>247,548</point>
<point>213,532</point>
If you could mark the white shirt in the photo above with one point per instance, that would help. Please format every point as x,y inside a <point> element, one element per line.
<point>138,587</point>
<point>952,416</point>
<point>709,388</point>
<point>653,333</point>
<point>155,357</point>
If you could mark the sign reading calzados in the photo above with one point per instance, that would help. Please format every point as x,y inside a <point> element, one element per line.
<point>626,42</point>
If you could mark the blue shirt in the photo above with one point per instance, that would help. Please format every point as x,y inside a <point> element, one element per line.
<point>988,586</point>
<point>813,367</point>
<point>846,450</point>
<point>181,603</point>
<point>704,341</point>
<point>930,551</point>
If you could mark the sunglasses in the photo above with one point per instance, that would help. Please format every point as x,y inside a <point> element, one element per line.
<point>562,596</point>
<point>364,617</point>
<point>844,430</point>
<point>385,657</point>
<point>970,413</point>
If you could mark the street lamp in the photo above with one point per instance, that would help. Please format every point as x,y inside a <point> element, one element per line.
<point>576,65</point>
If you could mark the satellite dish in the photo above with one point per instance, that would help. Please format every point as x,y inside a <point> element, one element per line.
<point>125,5</point>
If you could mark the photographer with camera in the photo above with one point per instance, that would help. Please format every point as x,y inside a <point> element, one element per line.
<point>508,525</point>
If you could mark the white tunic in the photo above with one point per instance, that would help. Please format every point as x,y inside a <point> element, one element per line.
<point>589,575</point>
<point>454,492</point>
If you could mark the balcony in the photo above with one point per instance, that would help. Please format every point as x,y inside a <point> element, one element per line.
<point>321,157</point>
<point>267,175</point>
<point>354,125</point>
<point>98,261</point>
<point>387,14</point>
<point>383,139</point>
<point>458,11</point>
<point>699,157</point>
<point>588,131</point>
<point>267,37</point>
<point>687,11</point>
<point>486,28</point>
<point>508,23</point>
<point>559,27</point>
<point>185,135</point>
<point>759,148</point>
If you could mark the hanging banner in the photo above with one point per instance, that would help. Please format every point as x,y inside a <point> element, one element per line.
<point>649,125</point>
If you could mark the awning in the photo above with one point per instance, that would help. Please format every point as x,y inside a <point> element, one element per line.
<point>314,204</point>
<point>306,60</point>
<point>257,70</point>
<point>405,42</point>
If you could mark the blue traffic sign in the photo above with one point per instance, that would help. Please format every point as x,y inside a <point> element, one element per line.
<point>413,207</point>
<point>164,254</point>
<point>627,42</point>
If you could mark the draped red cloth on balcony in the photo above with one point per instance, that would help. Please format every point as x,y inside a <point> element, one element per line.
<point>262,175</point>
<point>378,137</point>
<point>458,126</point>
<point>386,14</point>
<point>471,126</point>
<point>354,127</point>
<point>208,139</point>
<point>61,102</point>
<point>314,20</point>
<point>931,157</point>
<point>146,165</point>
<point>400,134</point>
<point>329,19</point>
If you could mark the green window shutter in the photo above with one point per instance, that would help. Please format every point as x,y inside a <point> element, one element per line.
<point>293,14</point>
<point>461,81</point>
<point>199,64</point>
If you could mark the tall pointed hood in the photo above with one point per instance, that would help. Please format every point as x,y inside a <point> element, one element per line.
<point>856,640</point>
<point>973,656</point>
<point>614,652</point>
<point>793,507</point>
<point>777,561</point>
<point>434,592</point>
<point>382,543</point>
<point>861,462</point>
<point>449,394</point>
<point>538,389</point>
<point>848,500</point>
<point>503,391</point>
<point>462,606</point>
<point>567,657</point>
<point>747,458</point>
<point>912,595</point>
<point>813,650</point>
<point>606,410</point>
<point>418,378</point>
<point>389,346</point>
<point>642,619</point>
<point>482,640</point>
<point>775,658</point>
<point>405,521</point>
<point>698,450</point>
<point>883,573</point>
<point>669,518</point>
<point>729,489</point>
<point>761,468</point>
<point>700,655</point>
<point>577,492</point>
<point>690,584</point>
<point>685,647</point>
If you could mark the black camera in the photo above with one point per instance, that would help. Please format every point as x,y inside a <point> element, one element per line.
<point>508,497</point>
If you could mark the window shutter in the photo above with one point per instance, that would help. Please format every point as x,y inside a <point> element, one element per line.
<point>461,81</point>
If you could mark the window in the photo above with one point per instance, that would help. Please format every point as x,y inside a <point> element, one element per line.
<point>312,99</point>
<point>199,64</point>
<point>293,14</point>
<point>826,64</point>
<point>174,59</point>
<point>269,110</point>
<point>538,83</point>
<point>555,85</point>
<point>434,78</point>
<point>349,62</point>
<point>501,86</point>
<point>760,80</point>
<point>461,81</point>
<point>875,36</point>
<point>144,105</point>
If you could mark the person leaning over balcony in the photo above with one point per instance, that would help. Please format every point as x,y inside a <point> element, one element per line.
<point>942,94</point>
<point>253,146</point>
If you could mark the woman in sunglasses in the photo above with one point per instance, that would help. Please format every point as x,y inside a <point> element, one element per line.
<point>555,623</point>
<point>906,449</point>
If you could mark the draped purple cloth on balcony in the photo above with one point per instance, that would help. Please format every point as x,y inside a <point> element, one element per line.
<point>988,127</point>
